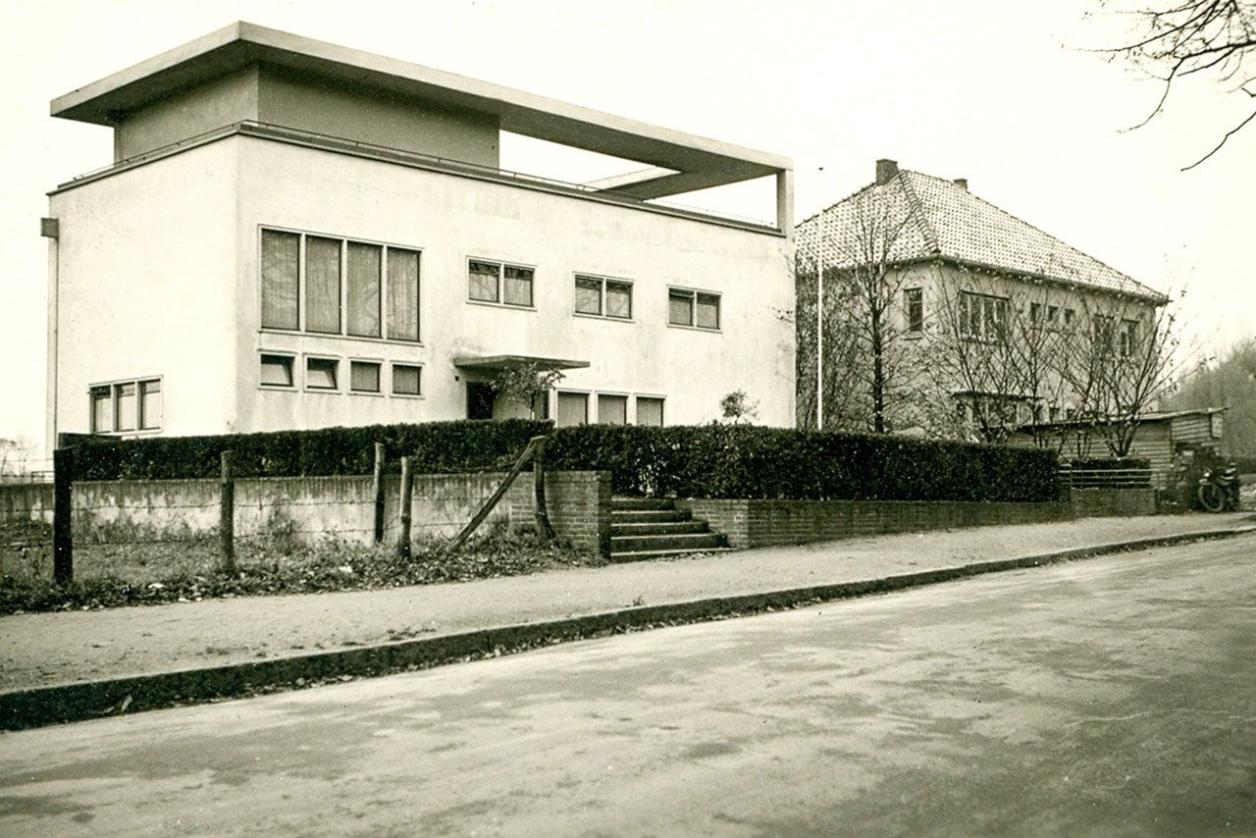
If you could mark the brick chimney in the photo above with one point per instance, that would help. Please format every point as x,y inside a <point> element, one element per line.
<point>962,183</point>
<point>886,170</point>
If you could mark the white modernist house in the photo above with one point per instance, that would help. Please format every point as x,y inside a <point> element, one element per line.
<point>294,234</point>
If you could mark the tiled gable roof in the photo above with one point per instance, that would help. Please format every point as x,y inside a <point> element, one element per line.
<point>915,216</point>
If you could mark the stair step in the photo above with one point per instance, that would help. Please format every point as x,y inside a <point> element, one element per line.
<point>668,528</point>
<point>682,541</point>
<point>619,503</point>
<point>647,555</point>
<point>649,516</point>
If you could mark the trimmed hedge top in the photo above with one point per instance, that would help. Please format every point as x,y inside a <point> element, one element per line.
<point>712,461</point>
<point>741,461</point>
<point>437,447</point>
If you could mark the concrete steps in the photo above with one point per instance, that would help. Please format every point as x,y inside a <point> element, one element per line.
<point>652,528</point>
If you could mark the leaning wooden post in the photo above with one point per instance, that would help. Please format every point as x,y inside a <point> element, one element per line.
<point>543,526</point>
<point>62,532</point>
<point>226,514</point>
<point>479,517</point>
<point>407,489</point>
<point>378,486</point>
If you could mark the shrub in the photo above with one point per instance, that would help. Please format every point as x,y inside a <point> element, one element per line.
<point>435,446</point>
<point>741,461</point>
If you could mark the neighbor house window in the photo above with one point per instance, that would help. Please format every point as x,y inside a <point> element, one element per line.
<point>612,410</point>
<point>914,307</point>
<point>1129,338</point>
<point>407,379</point>
<point>1053,316</point>
<point>276,371</point>
<point>693,308</point>
<point>126,406</point>
<point>604,297</point>
<point>649,411</point>
<point>364,376</point>
<point>1105,332</point>
<point>573,409</point>
<point>982,316</point>
<point>1069,314</point>
<point>321,373</point>
<point>498,282</point>
<point>1035,313</point>
<point>351,288</point>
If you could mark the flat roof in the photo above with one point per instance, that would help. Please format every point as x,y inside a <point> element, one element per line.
<point>697,162</point>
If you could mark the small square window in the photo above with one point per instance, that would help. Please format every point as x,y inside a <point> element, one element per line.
<point>277,370</point>
<point>364,376</point>
<point>320,373</point>
<point>588,295</point>
<point>708,311</point>
<point>407,379</point>
<point>517,286</point>
<point>573,409</point>
<point>680,308</point>
<point>483,278</point>
<point>619,300</point>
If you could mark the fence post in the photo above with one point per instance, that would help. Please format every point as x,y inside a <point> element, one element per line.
<point>407,487</point>
<point>226,519</point>
<point>62,533</point>
<point>543,526</point>
<point>378,486</point>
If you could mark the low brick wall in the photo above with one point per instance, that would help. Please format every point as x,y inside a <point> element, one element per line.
<point>318,508</point>
<point>1117,503</point>
<point>763,523</point>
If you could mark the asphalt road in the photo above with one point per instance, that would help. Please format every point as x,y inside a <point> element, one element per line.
<point>1113,696</point>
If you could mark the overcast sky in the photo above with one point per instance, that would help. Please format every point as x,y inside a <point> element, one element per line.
<point>1001,93</point>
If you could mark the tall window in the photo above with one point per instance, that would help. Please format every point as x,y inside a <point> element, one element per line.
<point>914,309</point>
<point>351,288</point>
<point>281,253</point>
<point>1105,333</point>
<point>126,406</point>
<point>1129,338</point>
<point>693,308</point>
<point>603,297</point>
<point>982,316</point>
<point>497,282</point>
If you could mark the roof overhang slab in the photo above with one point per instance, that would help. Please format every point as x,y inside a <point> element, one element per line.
<point>493,363</point>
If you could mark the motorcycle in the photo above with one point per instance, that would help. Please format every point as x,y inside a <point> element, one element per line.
<point>1218,489</point>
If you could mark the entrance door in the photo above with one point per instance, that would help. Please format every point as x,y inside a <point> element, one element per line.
<point>479,400</point>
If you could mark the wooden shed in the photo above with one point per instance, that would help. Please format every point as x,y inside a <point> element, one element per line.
<point>1160,435</point>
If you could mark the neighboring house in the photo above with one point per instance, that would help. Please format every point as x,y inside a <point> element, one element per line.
<point>295,234</point>
<point>1161,436</point>
<point>982,322</point>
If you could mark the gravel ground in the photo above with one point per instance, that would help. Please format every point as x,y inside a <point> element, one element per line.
<point>42,649</point>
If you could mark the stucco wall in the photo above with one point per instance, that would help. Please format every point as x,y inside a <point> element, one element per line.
<point>397,122</point>
<point>205,107</point>
<point>452,218</point>
<point>146,266</point>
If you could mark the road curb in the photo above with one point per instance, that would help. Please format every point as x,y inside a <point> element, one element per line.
<point>80,701</point>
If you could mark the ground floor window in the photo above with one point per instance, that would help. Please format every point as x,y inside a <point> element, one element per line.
<point>649,411</point>
<point>126,406</point>
<point>573,409</point>
<point>612,410</point>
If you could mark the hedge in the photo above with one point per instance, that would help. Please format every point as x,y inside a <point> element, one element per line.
<point>740,461</point>
<point>436,447</point>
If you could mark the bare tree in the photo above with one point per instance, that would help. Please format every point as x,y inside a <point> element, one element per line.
<point>1178,39</point>
<point>865,373</point>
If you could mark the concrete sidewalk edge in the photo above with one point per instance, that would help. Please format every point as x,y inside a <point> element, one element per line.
<point>84,700</point>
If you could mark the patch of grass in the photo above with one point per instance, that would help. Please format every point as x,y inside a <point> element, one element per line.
<point>140,574</point>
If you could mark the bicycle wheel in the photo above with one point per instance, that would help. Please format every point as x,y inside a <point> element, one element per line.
<point>1211,497</point>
